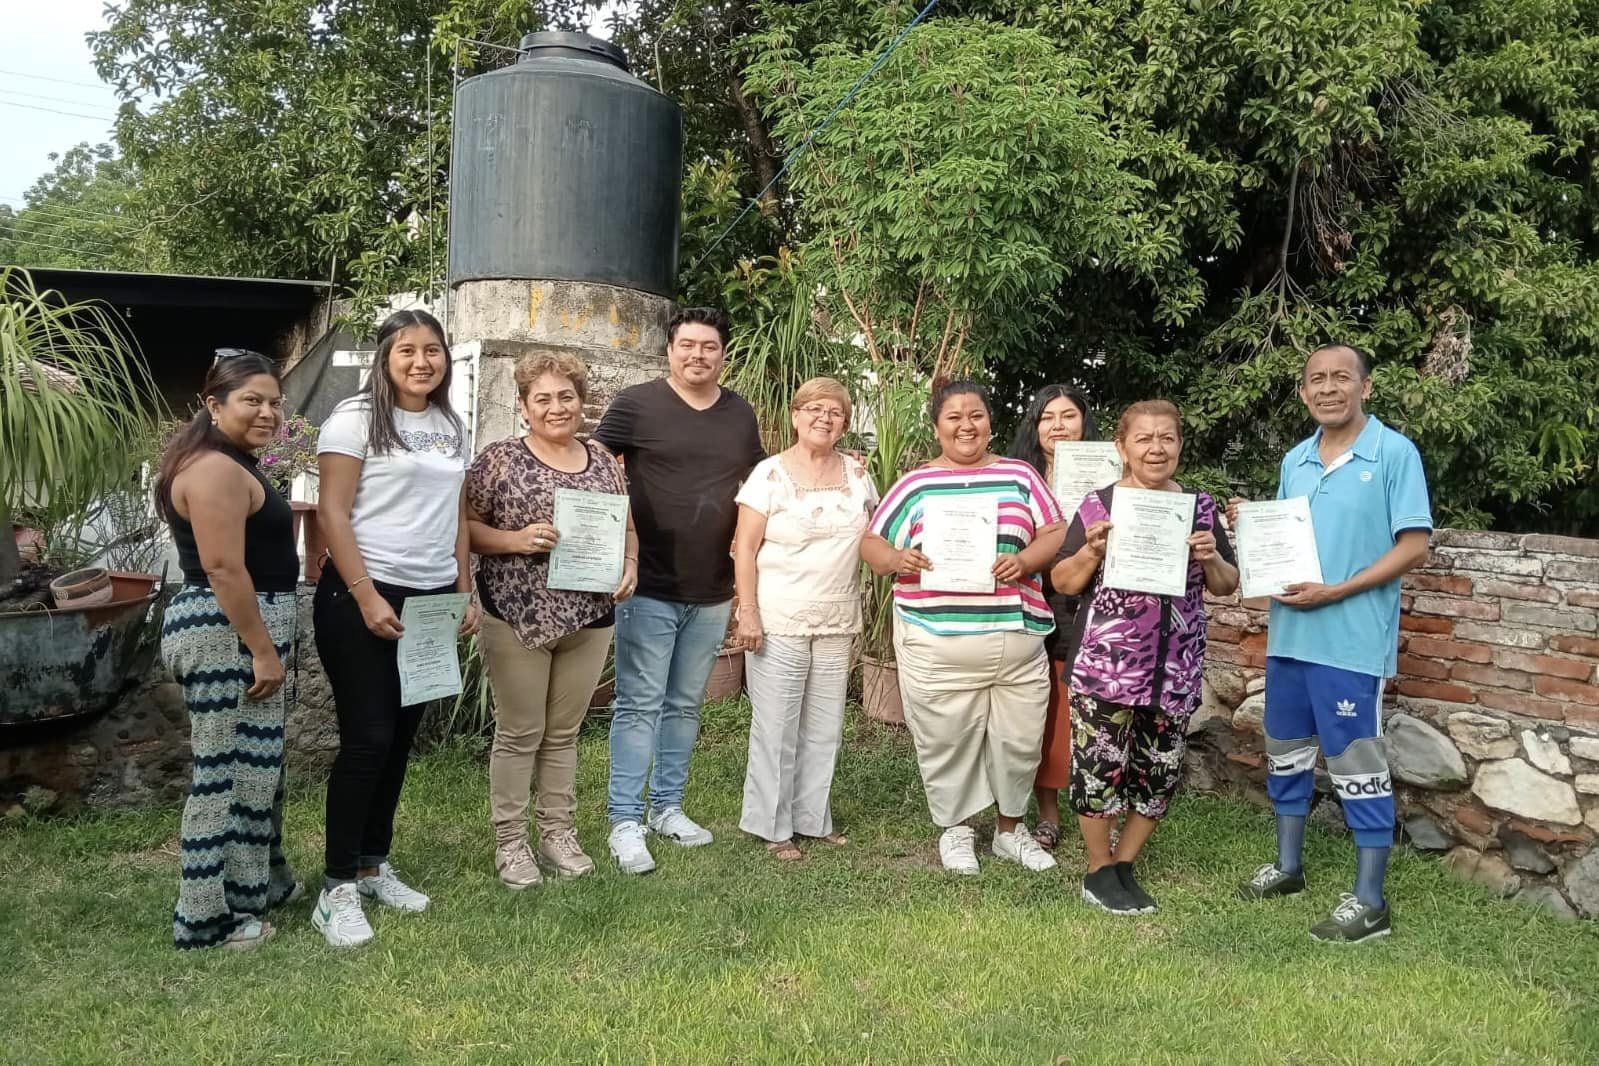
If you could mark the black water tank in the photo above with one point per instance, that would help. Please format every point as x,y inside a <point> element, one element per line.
<point>566,167</point>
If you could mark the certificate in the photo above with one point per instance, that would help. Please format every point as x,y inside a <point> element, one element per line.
<point>1276,546</point>
<point>960,534</point>
<point>429,666</point>
<point>1081,466</point>
<point>1148,546</point>
<point>593,527</point>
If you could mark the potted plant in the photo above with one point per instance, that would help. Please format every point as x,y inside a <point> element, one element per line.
<point>78,417</point>
<point>895,421</point>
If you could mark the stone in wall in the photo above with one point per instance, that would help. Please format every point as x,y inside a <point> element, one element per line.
<point>1543,751</point>
<point>1420,755</point>
<point>1511,785</point>
<point>1480,736</point>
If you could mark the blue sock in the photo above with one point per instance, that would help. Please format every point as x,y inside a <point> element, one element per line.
<point>1371,867</point>
<point>1290,842</point>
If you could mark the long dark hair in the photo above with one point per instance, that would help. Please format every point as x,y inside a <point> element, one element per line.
<point>1024,444</point>
<point>382,435</point>
<point>200,434</point>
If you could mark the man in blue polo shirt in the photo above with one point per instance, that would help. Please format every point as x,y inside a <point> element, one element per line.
<point>1329,646</point>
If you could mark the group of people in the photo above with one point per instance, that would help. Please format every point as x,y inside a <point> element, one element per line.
<point>1050,680</point>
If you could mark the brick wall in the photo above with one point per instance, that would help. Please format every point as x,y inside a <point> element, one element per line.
<point>1492,724</point>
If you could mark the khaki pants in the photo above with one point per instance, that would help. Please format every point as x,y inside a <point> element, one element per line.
<point>541,696</point>
<point>974,705</point>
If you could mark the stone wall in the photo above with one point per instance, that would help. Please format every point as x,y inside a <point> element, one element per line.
<point>137,754</point>
<point>1492,726</point>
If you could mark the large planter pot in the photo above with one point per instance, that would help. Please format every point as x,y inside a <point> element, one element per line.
<point>727,676</point>
<point>75,661</point>
<point>880,697</point>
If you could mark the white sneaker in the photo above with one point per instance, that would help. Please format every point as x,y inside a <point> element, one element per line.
<point>1019,846</point>
<point>560,850</point>
<point>338,917</point>
<point>387,888</point>
<point>673,824</point>
<point>955,850</point>
<point>518,869</point>
<point>627,847</point>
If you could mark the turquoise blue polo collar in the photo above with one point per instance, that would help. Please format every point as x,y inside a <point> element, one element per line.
<point>1367,446</point>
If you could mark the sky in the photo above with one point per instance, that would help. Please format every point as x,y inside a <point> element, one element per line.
<point>45,70</point>
<point>45,64</point>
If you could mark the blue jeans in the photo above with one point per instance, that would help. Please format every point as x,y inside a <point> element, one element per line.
<point>664,655</point>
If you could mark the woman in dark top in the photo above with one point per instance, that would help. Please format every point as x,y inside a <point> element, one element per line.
<point>224,640</point>
<point>544,647</point>
<point>1057,413</point>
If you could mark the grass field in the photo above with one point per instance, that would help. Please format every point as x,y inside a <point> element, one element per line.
<point>866,954</point>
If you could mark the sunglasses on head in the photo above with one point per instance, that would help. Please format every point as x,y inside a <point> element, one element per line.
<point>223,354</point>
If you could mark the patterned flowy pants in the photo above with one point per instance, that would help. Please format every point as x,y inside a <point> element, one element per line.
<point>231,842</point>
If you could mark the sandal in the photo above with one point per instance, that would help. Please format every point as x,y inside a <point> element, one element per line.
<point>838,840</point>
<point>250,934</point>
<point>1047,835</point>
<point>784,850</point>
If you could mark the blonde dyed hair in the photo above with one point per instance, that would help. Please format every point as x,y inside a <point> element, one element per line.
<point>822,389</point>
<point>1149,409</point>
<point>535,365</point>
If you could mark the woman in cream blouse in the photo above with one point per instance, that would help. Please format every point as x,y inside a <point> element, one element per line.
<point>801,517</point>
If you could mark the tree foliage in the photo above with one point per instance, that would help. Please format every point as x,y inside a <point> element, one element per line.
<point>1147,197</point>
<point>1416,179</point>
<point>88,212</point>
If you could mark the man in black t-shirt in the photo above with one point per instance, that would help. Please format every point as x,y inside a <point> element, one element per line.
<point>687,443</point>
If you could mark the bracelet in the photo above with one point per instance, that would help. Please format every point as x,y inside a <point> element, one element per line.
<point>736,611</point>
<point>351,586</point>
<point>630,558</point>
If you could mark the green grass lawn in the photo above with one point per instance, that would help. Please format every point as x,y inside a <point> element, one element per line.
<point>867,954</point>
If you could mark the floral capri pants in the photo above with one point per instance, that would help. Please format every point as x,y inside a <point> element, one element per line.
<point>1126,758</point>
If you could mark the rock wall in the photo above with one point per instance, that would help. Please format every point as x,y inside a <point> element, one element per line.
<point>1492,726</point>
<point>137,754</point>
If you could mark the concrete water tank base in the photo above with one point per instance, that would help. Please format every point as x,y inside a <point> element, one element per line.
<point>619,333</point>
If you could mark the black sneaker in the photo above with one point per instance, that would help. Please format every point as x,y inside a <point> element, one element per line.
<point>1270,882</point>
<point>1135,892</point>
<point>1104,890</point>
<point>1352,922</point>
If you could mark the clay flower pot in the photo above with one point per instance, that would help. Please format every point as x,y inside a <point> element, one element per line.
<point>82,588</point>
<point>880,697</point>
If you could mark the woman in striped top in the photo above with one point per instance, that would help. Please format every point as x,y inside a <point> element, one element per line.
<point>972,667</point>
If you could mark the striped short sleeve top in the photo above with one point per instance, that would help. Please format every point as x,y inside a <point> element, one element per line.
<point>1025,506</point>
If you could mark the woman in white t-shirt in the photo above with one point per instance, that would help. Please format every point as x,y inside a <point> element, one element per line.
<point>801,516</point>
<point>392,461</point>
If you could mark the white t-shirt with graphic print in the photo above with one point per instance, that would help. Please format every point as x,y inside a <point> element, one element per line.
<point>407,503</point>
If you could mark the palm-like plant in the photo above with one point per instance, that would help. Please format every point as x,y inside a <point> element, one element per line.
<point>76,401</point>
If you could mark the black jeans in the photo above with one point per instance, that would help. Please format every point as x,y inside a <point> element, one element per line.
<point>375,732</point>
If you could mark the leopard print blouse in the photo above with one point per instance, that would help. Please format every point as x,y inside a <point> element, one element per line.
<point>509,488</point>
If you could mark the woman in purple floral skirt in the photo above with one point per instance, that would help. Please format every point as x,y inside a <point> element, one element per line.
<point>1136,663</point>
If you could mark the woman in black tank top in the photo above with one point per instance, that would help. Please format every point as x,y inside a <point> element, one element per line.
<point>224,639</point>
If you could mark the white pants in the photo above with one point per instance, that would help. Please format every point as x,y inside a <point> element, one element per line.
<point>974,705</point>
<point>797,688</point>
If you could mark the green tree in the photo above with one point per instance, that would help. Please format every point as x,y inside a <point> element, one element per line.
<point>87,213</point>
<point>303,138</point>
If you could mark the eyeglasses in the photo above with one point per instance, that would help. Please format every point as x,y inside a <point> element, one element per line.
<point>235,353</point>
<point>816,410</point>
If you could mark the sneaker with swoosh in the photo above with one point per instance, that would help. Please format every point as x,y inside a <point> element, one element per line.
<point>1352,922</point>
<point>339,918</point>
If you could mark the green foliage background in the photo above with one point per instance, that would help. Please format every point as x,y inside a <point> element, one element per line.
<point>1147,197</point>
